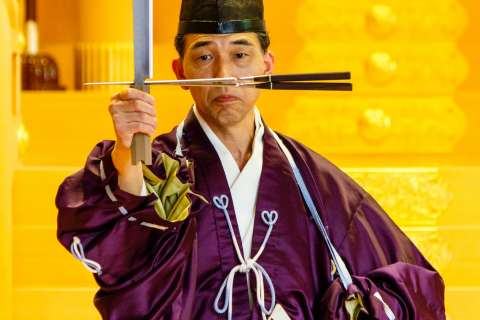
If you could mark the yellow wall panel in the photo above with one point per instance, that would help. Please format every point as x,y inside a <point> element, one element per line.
<point>408,133</point>
<point>54,303</point>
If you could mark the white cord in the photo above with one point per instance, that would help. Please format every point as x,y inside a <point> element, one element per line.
<point>179,134</point>
<point>342,270</point>
<point>386,307</point>
<point>76,249</point>
<point>246,265</point>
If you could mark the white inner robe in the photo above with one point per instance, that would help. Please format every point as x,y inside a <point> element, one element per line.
<point>243,184</point>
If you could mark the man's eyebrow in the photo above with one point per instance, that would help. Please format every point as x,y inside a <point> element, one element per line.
<point>200,44</point>
<point>243,42</point>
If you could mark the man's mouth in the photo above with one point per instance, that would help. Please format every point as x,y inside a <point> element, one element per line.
<point>224,98</point>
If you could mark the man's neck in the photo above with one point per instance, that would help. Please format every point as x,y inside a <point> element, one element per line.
<point>238,138</point>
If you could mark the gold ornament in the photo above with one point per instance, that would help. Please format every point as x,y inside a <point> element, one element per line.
<point>380,20</point>
<point>374,125</point>
<point>380,68</point>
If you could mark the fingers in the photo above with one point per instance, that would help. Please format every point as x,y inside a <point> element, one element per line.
<point>125,130</point>
<point>132,111</point>
<point>134,127</point>
<point>135,117</point>
<point>128,122</point>
<point>134,94</point>
<point>126,106</point>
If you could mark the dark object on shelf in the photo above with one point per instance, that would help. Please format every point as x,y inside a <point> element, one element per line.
<point>39,71</point>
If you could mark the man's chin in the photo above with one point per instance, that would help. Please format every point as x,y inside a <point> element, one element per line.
<point>228,119</point>
<point>227,108</point>
<point>228,115</point>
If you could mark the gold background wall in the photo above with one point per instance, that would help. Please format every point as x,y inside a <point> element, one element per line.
<point>409,133</point>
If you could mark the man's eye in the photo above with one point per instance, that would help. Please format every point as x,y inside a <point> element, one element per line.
<point>205,57</point>
<point>241,55</point>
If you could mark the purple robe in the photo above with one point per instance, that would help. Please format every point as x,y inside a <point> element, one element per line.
<point>150,273</point>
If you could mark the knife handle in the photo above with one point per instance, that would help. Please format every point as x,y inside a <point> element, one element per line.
<point>141,149</point>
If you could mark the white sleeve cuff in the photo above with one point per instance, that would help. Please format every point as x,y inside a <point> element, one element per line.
<point>144,191</point>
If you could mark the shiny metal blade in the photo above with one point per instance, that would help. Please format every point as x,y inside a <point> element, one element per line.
<point>143,42</point>
<point>227,81</point>
<point>143,57</point>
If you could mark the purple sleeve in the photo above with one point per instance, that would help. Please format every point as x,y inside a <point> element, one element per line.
<point>119,231</point>
<point>388,270</point>
<point>404,290</point>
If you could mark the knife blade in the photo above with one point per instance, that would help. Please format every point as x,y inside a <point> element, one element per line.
<point>143,61</point>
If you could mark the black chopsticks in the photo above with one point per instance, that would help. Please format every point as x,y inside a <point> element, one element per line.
<point>302,81</point>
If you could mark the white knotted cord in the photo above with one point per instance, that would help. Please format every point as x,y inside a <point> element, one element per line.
<point>178,135</point>
<point>270,218</point>
<point>386,307</point>
<point>246,265</point>
<point>76,249</point>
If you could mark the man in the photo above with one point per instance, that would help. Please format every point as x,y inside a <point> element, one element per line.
<point>217,226</point>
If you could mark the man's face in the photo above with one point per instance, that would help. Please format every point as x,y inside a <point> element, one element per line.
<point>216,56</point>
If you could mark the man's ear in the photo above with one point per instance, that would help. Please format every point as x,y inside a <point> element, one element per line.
<point>269,60</point>
<point>177,68</point>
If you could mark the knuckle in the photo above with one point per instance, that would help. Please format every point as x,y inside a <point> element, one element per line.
<point>144,117</point>
<point>115,106</point>
<point>133,92</point>
<point>124,94</point>
<point>116,117</point>
<point>134,126</point>
<point>138,126</point>
<point>137,105</point>
<point>152,109</point>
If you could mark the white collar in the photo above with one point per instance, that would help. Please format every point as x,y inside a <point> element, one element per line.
<point>229,164</point>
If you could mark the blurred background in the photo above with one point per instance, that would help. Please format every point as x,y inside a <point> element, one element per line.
<point>409,133</point>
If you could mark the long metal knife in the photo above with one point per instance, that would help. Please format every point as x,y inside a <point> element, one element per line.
<point>143,56</point>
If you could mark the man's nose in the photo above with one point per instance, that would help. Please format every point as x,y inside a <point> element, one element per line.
<point>223,68</point>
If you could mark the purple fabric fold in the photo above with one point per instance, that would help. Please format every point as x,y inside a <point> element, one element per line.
<point>410,291</point>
